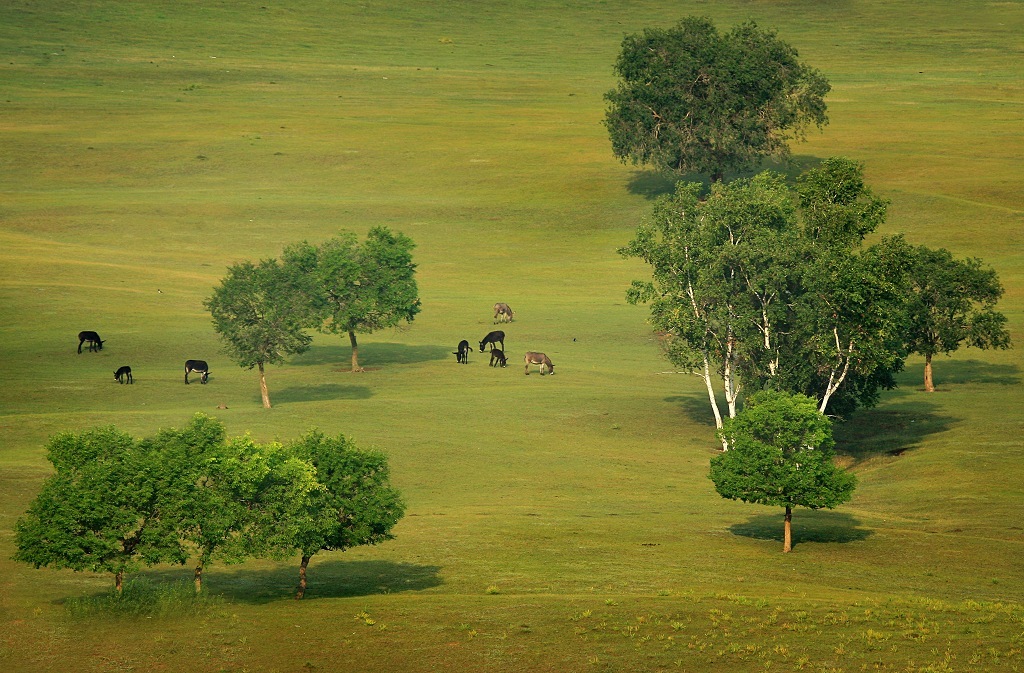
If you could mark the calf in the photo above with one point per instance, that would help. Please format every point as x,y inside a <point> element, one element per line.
<point>498,358</point>
<point>492,338</point>
<point>462,355</point>
<point>199,367</point>
<point>123,375</point>
<point>503,312</point>
<point>542,361</point>
<point>91,338</point>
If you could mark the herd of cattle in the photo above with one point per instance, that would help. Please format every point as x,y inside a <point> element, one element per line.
<point>502,313</point>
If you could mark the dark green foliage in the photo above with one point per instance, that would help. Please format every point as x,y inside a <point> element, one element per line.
<point>363,503</point>
<point>780,454</point>
<point>351,288</point>
<point>764,286</point>
<point>101,510</point>
<point>260,315</point>
<point>692,100</point>
<point>952,304</point>
<point>116,504</point>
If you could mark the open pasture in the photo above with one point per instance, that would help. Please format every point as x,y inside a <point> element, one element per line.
<point>556,523</point>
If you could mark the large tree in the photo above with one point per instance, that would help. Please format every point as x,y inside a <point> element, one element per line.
<point>781,455</point>
<point>758,285</point>
<point>101,510</point>
<point>260,317</point>
<point>952,304</point>
<point>354,288</point>
<point>693,100</point>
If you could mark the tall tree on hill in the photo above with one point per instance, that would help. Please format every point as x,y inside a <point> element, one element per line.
<point>692,100</point>
<point>952,303</point>
<point>781,455</point>
<point>260,317</point>
<point>357,289</point>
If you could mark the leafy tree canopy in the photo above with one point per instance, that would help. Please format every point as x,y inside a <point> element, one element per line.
<point>692,100</point>
<point>952,304</point>
<point>781,452</point>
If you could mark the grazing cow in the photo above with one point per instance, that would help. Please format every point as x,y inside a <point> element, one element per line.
<point>542,361</point>
<point>503,312</point>
<point>462,355</point>
<point>124,375</point>
<point>498,358</point>
<point>496,337</point>
<point>199,367</point>
<point>91,338</point>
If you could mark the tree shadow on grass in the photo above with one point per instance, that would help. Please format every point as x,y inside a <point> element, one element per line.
<point>326,579</point>
<point>696,407</point>
<point>959,372</point>
<point>809,525</point>
<point>324,392</point>
<point>890,431</point>
<point>371,355</point>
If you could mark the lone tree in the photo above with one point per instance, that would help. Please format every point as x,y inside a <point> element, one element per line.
<point>781,455</point>
<point>691,100</point>
<point>260,317</point>
<point>357,289</point>
<point>952,303</point>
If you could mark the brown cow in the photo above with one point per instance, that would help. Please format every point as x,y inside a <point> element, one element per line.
<point>542,361</point>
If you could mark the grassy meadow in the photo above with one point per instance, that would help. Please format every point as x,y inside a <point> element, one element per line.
<point>557,523</point>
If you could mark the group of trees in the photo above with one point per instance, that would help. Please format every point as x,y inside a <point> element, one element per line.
<point>760,285</point>
<point>115,503</point>
<point>342,286</point>
<point>770,288</point>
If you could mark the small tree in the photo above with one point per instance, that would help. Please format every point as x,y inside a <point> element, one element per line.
<point>259,316</point>
<point>357,289</point>
<point>363,505</point>
<point>693,100</point>
<point>952,303</point>
<point>781,455</point>
<point>101,509</point>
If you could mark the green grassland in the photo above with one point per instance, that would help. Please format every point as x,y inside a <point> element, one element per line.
<point>558,523</point>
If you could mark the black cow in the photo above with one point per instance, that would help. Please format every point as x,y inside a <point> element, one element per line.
<point>199,367</point>
<point>498,358</point>
<point>124,375</point>
<point>91,338</point>
<point>492,338</point>
<point>462,355</point>
<point>542,361</point>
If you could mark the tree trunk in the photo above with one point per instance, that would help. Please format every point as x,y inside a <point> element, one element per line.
<point>263,386</point>
<point>929,385</point>
<point>302,577</point>
<point>355,352</point>
<point>718,176</point>
<point>198,578</point>
<point>119,581</point>
<point>714,403</point>
<point>787,540</point>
